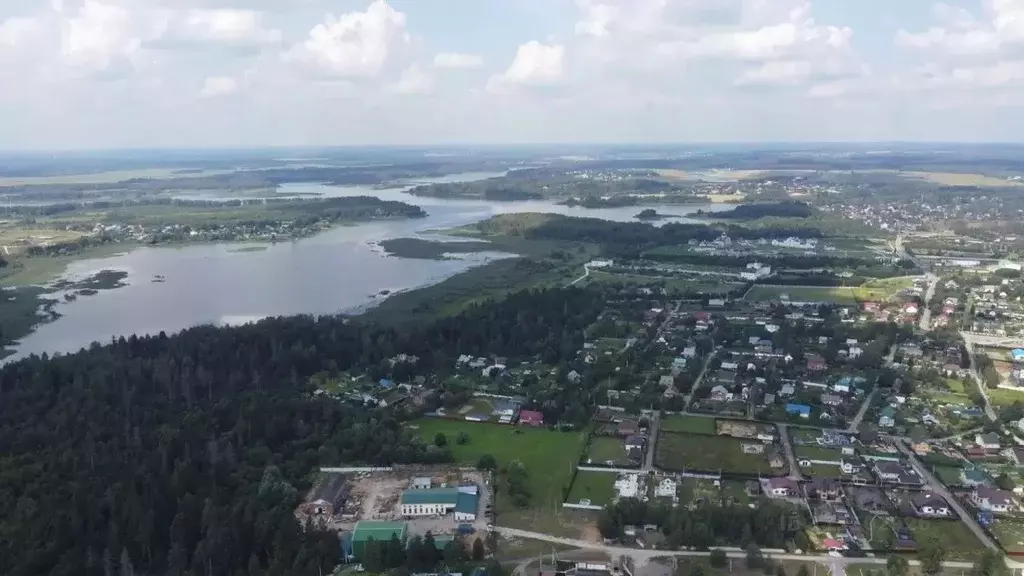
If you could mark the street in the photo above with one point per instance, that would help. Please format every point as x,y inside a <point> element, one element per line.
<point>969,344</point>
<point>926,313</point>
<point>794,469</point>
<point>940,488</point>
<point>641,557</point>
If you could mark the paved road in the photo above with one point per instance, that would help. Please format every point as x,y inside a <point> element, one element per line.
<point>855,423</point>
<point>794,470</point>
<point>940,488</point>
<point>926,314</point>
<point>586,272</point>
<point>641,557</point>
<point>982,387</point>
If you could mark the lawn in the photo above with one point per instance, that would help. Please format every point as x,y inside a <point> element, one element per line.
<point>952,535</point>
<point>598,487</point>
<point>688,424</point>
<point>1010,534</point>
<point>605,449</point>
<point>883,288</point>
<point>704,285</point>
<point>677,451</point>
<point>950,475</point>
<point>817,453</point>
<point>1004,396</point>
<point>838,295</point>
<point>549,456</point>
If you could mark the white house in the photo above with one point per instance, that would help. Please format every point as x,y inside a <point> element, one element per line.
<point>627,486</point>
<point>666,489</point>
<point>992,499</point>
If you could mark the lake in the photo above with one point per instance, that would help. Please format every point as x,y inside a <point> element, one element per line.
<point>341,270</point>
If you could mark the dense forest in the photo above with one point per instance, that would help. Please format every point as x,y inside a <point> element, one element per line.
<point>787,209</point>
<point>186,455</point>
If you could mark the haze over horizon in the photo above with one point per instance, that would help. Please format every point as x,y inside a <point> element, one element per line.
<point>114,74</point>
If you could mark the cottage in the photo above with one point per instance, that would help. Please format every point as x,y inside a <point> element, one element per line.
<point>781,487</point>
<point>531,418</point>
<point>690,352</point>
<point>930,505</point>
<point>815,364</point>
<point>831,399</point>
<point>574,377</point>
<point>635,442</point>
<point>666,381</point>
<point>988,441</point>
<point>787,390</point>
<point>720,394</point>
<point>667,488</point>
<point>887,418</point>
<point>824,489</point>
<point>993,499</point>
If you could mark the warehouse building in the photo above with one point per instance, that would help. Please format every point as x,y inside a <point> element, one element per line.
<point>461,501</point>
<point>379,531</point>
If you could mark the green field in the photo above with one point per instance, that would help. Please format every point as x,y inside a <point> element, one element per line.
<point>1004,396</point>
<point>883,288</point>
<point>549,456</point>
<point>817,453</point>
<point>839,295</point>
<point>950,475</point>
<point>676,451</point>
<point>688,424</point>
<point>953,536</point>
<point>598,487</point>
<point>1010,534</point>
<point>605,449</point>
<point>703,285</point>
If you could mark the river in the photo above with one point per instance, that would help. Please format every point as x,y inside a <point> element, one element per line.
<point>337,271</point>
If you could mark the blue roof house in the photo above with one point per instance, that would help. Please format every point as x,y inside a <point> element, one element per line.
<point>802,409</point>
<point>385,383</point>
<point>1017,354</point>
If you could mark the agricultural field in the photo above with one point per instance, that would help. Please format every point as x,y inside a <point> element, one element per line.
<point>960,179</point>
<point>688,424</point>
<point>110,177</point>
<point>838,295</point>
<point>607,450</point>
<point>953,536</point>
<point>549,456</point>
<point>676,451</point>
<point>597,487</point>
<point>1010,534</point>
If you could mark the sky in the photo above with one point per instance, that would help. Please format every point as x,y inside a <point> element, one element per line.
<point>101,74</point>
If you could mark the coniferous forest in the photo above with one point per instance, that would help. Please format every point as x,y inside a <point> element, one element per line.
<point>187,454</point>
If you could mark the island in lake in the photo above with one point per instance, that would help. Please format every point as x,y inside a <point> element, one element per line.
<point>651,214</point>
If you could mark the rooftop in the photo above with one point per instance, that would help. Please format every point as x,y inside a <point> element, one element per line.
<point>378,530</point>
<point>431,496</point>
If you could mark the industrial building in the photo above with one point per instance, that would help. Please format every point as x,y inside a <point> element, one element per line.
<point>462,501</point>
<point>379,531</point>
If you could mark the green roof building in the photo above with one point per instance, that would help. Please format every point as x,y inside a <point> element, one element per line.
<point>440,496</point>
<point>377,530</point>
<point>463,501</point>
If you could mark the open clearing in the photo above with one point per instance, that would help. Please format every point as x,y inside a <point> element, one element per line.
<point>549,456</point>
<point>688,424</point>
<point>959,179</point>
<point>1010,534</point>
<point>1004,396</point>
<point>676,451</point>
<point>883,288</point>
<point>702,285</point>
<point>607,450</point>
<point>597,487</point>
<point>839,295</point>
<point>951,535</point>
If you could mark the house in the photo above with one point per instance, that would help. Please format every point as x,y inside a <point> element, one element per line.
<point>922,448</point>
<point>842,386</point>
<point>781,487</point>
<point>1017,354</point>
<point>730,366</point>
<point>855,352</point>
<point>929,504</point>
<point>988,441</point>
<point>815,364</point>
<point>326,499</point>
<point>421,483</point>
<point>635,443</point>
<point>627,428</point>
<point>690,352</point>
<point>888,417</point>
<point>871,307</point>
<point>716,302</point>
<point>803,410</point>
<point>895,472</point>
<point>720,394</point>
<point>386,383</point>
<point>667,488</point>
<point>531,418</point>
<point>787,390</point>
<point>666,381</point>
<point>993,499</point>
<point>824,489</point>
<point>1017,455</point>
<point>831,399</point>
<point>574,377</point>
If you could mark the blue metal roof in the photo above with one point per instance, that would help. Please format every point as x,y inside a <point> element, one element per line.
<point>466,503</point>
<point>798,408</point>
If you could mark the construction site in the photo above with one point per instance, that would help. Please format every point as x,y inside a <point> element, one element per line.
<point>440,500</point>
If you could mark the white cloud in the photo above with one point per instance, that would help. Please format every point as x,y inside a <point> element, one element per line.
<point>458,60</point>
<point>959,33</point>
<point>535,64</point>
<point>354,45</point>
<point>99,38</point>
<point>14,31</point>
<point>413,81</point>
<point>224,27</point>
<point>215,86</point>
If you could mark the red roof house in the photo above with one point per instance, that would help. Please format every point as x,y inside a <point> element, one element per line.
<point>815,364</point>
<point>871,306</point>
<point>531,418</point>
